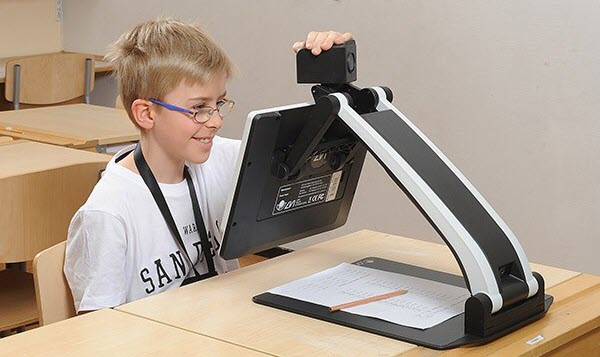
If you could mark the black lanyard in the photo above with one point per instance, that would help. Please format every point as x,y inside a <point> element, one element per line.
<point>150,181</point>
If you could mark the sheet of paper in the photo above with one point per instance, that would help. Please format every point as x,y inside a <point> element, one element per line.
<point>426,304</point>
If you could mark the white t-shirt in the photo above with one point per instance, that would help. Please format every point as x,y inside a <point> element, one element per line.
<point>119,247</point>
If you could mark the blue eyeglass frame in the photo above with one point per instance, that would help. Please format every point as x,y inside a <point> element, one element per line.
<point>187,111</point>
<point>171,106</point>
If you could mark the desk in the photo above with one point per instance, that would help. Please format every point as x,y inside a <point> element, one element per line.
<point>41,187</point>
<point>217,306</point>
<point>108,332</point>
<point>81,126</point>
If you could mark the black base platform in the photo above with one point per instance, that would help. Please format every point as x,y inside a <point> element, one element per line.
<point>448,334</point>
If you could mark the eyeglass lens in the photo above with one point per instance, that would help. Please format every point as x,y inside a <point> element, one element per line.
<point>224,108</point>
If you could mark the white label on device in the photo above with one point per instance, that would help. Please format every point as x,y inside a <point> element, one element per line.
<point>303,194</point>
<point>333,186</point>
<point>535,340</point>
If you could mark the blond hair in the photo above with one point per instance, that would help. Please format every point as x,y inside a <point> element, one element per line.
<point>156,56</point>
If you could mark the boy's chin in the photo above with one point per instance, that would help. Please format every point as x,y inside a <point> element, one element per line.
<point>198,158</point>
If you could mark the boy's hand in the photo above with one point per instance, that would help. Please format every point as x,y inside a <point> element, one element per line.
<point>317,42</point>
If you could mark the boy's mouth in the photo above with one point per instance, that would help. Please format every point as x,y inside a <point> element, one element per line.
<point>203,140</point>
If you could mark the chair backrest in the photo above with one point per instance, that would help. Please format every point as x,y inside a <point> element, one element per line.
<point>119,103</point>
<point>54,299</point>
<point>54,78</point>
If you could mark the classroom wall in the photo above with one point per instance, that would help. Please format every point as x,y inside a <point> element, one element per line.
<point>29,27</point>
<point>508,90</point>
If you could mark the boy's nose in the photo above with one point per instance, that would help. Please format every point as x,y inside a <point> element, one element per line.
<point>215,121</point>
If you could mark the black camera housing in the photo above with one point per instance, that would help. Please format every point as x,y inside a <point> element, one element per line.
<point>336,66</point>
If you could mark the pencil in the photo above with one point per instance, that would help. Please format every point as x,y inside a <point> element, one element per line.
<point>367,300</point>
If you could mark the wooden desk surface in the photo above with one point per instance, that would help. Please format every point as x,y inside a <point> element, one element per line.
<point>108,332</point>
<point>22,157</point>
<point>216,306</point>
<point>76,125</point>
<point>41,187</point>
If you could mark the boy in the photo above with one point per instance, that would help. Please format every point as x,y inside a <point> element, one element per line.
<point>151,222</point>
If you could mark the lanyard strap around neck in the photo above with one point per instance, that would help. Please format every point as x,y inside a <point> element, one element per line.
<point>152,184</point>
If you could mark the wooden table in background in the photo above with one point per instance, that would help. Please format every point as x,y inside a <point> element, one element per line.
<point>81,126</point>
<point>41,187</point>
<point>112,333</point>
<point>222,307</point>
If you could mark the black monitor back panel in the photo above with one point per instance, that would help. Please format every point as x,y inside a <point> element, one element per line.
<point>267,211</point>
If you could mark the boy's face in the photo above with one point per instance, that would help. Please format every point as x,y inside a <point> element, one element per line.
<point>176,132</point>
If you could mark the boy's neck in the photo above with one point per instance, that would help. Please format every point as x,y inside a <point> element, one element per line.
<point>165,168</point>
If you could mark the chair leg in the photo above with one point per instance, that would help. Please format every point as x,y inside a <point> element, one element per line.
<point>17,87</point>
<point>88,81</point>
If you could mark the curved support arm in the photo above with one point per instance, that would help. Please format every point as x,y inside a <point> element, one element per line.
<point>492,260</point>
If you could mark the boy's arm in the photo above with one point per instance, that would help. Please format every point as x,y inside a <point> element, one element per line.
<point>95,260</point>
<point>318,42</point>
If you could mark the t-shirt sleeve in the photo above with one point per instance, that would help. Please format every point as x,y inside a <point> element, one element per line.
<point>95,260</point>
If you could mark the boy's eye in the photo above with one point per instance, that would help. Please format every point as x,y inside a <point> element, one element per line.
<point>198,106</point>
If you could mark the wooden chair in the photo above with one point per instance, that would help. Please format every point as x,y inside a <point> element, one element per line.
<point>52,79</point>
<point>119,103</point>
<point>54,299</point>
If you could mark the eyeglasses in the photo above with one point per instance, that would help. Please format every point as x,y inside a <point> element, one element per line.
<point>202,113</point>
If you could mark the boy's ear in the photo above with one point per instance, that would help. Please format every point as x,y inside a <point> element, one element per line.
<point>142,114</point>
